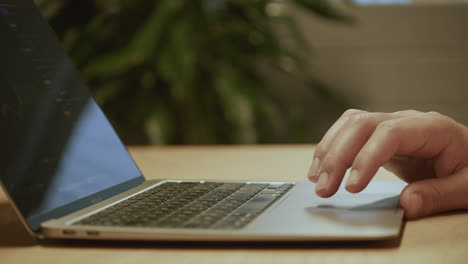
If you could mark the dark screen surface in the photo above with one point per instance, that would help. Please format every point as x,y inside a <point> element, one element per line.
<point>58,151</point>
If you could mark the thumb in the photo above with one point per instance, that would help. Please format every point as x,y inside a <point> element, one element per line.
<point>426,197</point>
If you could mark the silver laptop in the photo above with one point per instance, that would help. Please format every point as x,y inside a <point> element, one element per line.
<point>69,176</point>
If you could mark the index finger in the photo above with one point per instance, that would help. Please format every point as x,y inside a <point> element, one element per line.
<point>327,140</point>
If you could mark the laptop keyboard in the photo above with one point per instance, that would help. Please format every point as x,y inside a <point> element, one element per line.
<point>191,205</point>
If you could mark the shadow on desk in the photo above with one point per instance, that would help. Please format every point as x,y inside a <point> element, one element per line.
<point>226,245</point>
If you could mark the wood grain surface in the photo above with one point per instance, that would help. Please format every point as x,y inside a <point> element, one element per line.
<point>438,239</point>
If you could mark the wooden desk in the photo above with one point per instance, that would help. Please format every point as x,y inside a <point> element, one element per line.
<point>438,239</point>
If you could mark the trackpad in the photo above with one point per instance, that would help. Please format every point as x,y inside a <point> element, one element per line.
<point>360,209</point>
<point>372,213</point>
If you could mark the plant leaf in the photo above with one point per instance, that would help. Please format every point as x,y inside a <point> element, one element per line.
<point>143,44</point>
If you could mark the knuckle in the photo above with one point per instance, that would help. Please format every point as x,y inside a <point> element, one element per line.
<point>351,112</point>
<point>440,118</point>
<point>408,112</point>
<point>389,126</point>
<point>364,123</point>
<point>363,117</point>
<point>434,115</point>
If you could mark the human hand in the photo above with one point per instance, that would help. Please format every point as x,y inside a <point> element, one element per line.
<point>427,150</point>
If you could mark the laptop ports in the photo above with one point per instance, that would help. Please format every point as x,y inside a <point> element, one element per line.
<point>69,232</point>
<point>92,233</point>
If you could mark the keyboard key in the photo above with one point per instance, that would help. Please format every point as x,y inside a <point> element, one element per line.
<point>191,205</point>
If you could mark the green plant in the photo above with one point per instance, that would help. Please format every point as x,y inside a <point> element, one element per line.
<point>186,71</point>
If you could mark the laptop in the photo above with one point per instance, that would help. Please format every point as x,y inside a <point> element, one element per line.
<point>68,175</point>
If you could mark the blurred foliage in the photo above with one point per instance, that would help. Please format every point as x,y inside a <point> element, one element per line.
<point>187,71</point>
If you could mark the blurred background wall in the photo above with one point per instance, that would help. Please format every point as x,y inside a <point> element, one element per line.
<point>263,71</point>
<point>410,56</point>
<point>392,57</point>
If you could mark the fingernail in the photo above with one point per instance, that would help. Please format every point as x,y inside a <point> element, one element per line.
<point>322,182</point>
<point>313,170</point>
<point>353,178</point>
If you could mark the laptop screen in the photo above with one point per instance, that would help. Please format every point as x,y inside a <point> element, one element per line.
<point>58,152</point>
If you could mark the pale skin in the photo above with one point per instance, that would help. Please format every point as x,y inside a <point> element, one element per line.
<point>427,150</point>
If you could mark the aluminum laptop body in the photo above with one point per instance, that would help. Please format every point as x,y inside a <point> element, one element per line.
<point>63,167</point>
